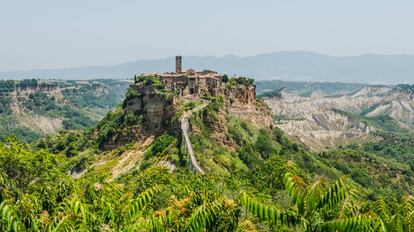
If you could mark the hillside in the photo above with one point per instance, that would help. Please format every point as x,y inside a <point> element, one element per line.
<point>325,121</point>
<point>33,108</point>
<point>135,171</point>
<point>292,66</point>
<point>305,89</point>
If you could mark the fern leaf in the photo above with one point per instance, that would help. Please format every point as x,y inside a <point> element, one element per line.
<point>204,215</point>
<point>136,205</point>
<point>334,195</point>
<point>266,212</point>
<point>381,209</point>
<point>10,218</point>
<point>358,223</point>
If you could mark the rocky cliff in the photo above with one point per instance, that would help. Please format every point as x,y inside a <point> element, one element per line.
<point>241,101</point>
<point>316,121</point>
<point>147,111</point>
<point>155,107</point>
<point>150,109</point>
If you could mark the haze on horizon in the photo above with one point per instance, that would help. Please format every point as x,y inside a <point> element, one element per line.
<point>57,34</point>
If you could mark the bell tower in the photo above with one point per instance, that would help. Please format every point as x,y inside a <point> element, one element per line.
<point>178,64</point>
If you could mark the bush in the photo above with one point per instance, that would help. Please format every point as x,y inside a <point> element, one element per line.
<point>132,119</point>
<point>159,145</point>
<point>264,144</point>
<point>241,81</point>
<point>225,78</point>
<point>149,81</point>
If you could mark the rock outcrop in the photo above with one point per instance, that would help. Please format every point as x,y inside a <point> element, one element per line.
<point>156,108</point>
<point>316,121</point>
<point>241,101</point>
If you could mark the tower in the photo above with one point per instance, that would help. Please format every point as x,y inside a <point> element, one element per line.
<point>178,64</point>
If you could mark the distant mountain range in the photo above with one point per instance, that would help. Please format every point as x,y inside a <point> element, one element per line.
<point>292,66</point>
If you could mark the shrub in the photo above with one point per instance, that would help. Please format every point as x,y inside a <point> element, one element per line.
<point>264,144</point>
<point>159,145</point>
<point>241,81</point>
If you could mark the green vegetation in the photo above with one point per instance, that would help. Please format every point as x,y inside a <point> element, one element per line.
<point>24,84</point>
<point>384,168</point>
<point>6,87</point>
<point>113,122</point>
<point>117,177</point>
<point>149,81</point>
<point>189,105</point>
<point>272,194</point>
<point>240,81</point>
<point>405,88</point>
<point>314,206</point>
<point>382,123</point>
<point>96,94</point>
<point>379,176</point>
<point>62,104</point>
<point>151,84</point>
<point>272,93</point>
<point>398,146</point>
<point>225,78</point>
<point>306,88</point>
<point>10,126</point>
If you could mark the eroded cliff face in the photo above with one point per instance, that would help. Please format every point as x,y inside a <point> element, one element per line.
<point>43,87</point>
<point>317,123</point>
<point>241,101</point>
<point>145,113</point>
<point>22,94</point>
<point>325,128</point>
<point>155,108</point>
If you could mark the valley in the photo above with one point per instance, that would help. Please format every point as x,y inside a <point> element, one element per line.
<point>321,121</point>
<point>206,116</point>
<point>198,151</point>
<point>33,108</point>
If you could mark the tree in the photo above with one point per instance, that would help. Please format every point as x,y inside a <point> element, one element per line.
<point>314,207</point>
<point>399,218</point>
<point>225,78</point>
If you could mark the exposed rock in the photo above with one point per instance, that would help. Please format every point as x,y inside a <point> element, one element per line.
<point>372,91</point>
<point>314,120</point>
<point>217,127</point>
<point>168,165</point>
<point>131,158</point>
<point>78,174</point>
<point>156,109</point>
<point>241,101</point>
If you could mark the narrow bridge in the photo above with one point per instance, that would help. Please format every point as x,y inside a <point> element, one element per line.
<point>185,128</point>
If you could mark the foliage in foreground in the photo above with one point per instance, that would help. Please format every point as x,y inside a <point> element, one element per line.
<point>36,194</point>
<point>251,186</point>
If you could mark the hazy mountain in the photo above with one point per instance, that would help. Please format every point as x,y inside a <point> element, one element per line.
<point>298,66</point>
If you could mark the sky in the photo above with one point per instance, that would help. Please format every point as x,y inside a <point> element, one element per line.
<point>72,33</point>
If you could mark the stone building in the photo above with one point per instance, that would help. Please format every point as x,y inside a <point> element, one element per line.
<point>191,82</point>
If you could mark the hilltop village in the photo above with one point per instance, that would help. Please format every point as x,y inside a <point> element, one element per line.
<point>170,103</point>
<point>237,93</point>
<point>189,82</point>
<point>158,100</point>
